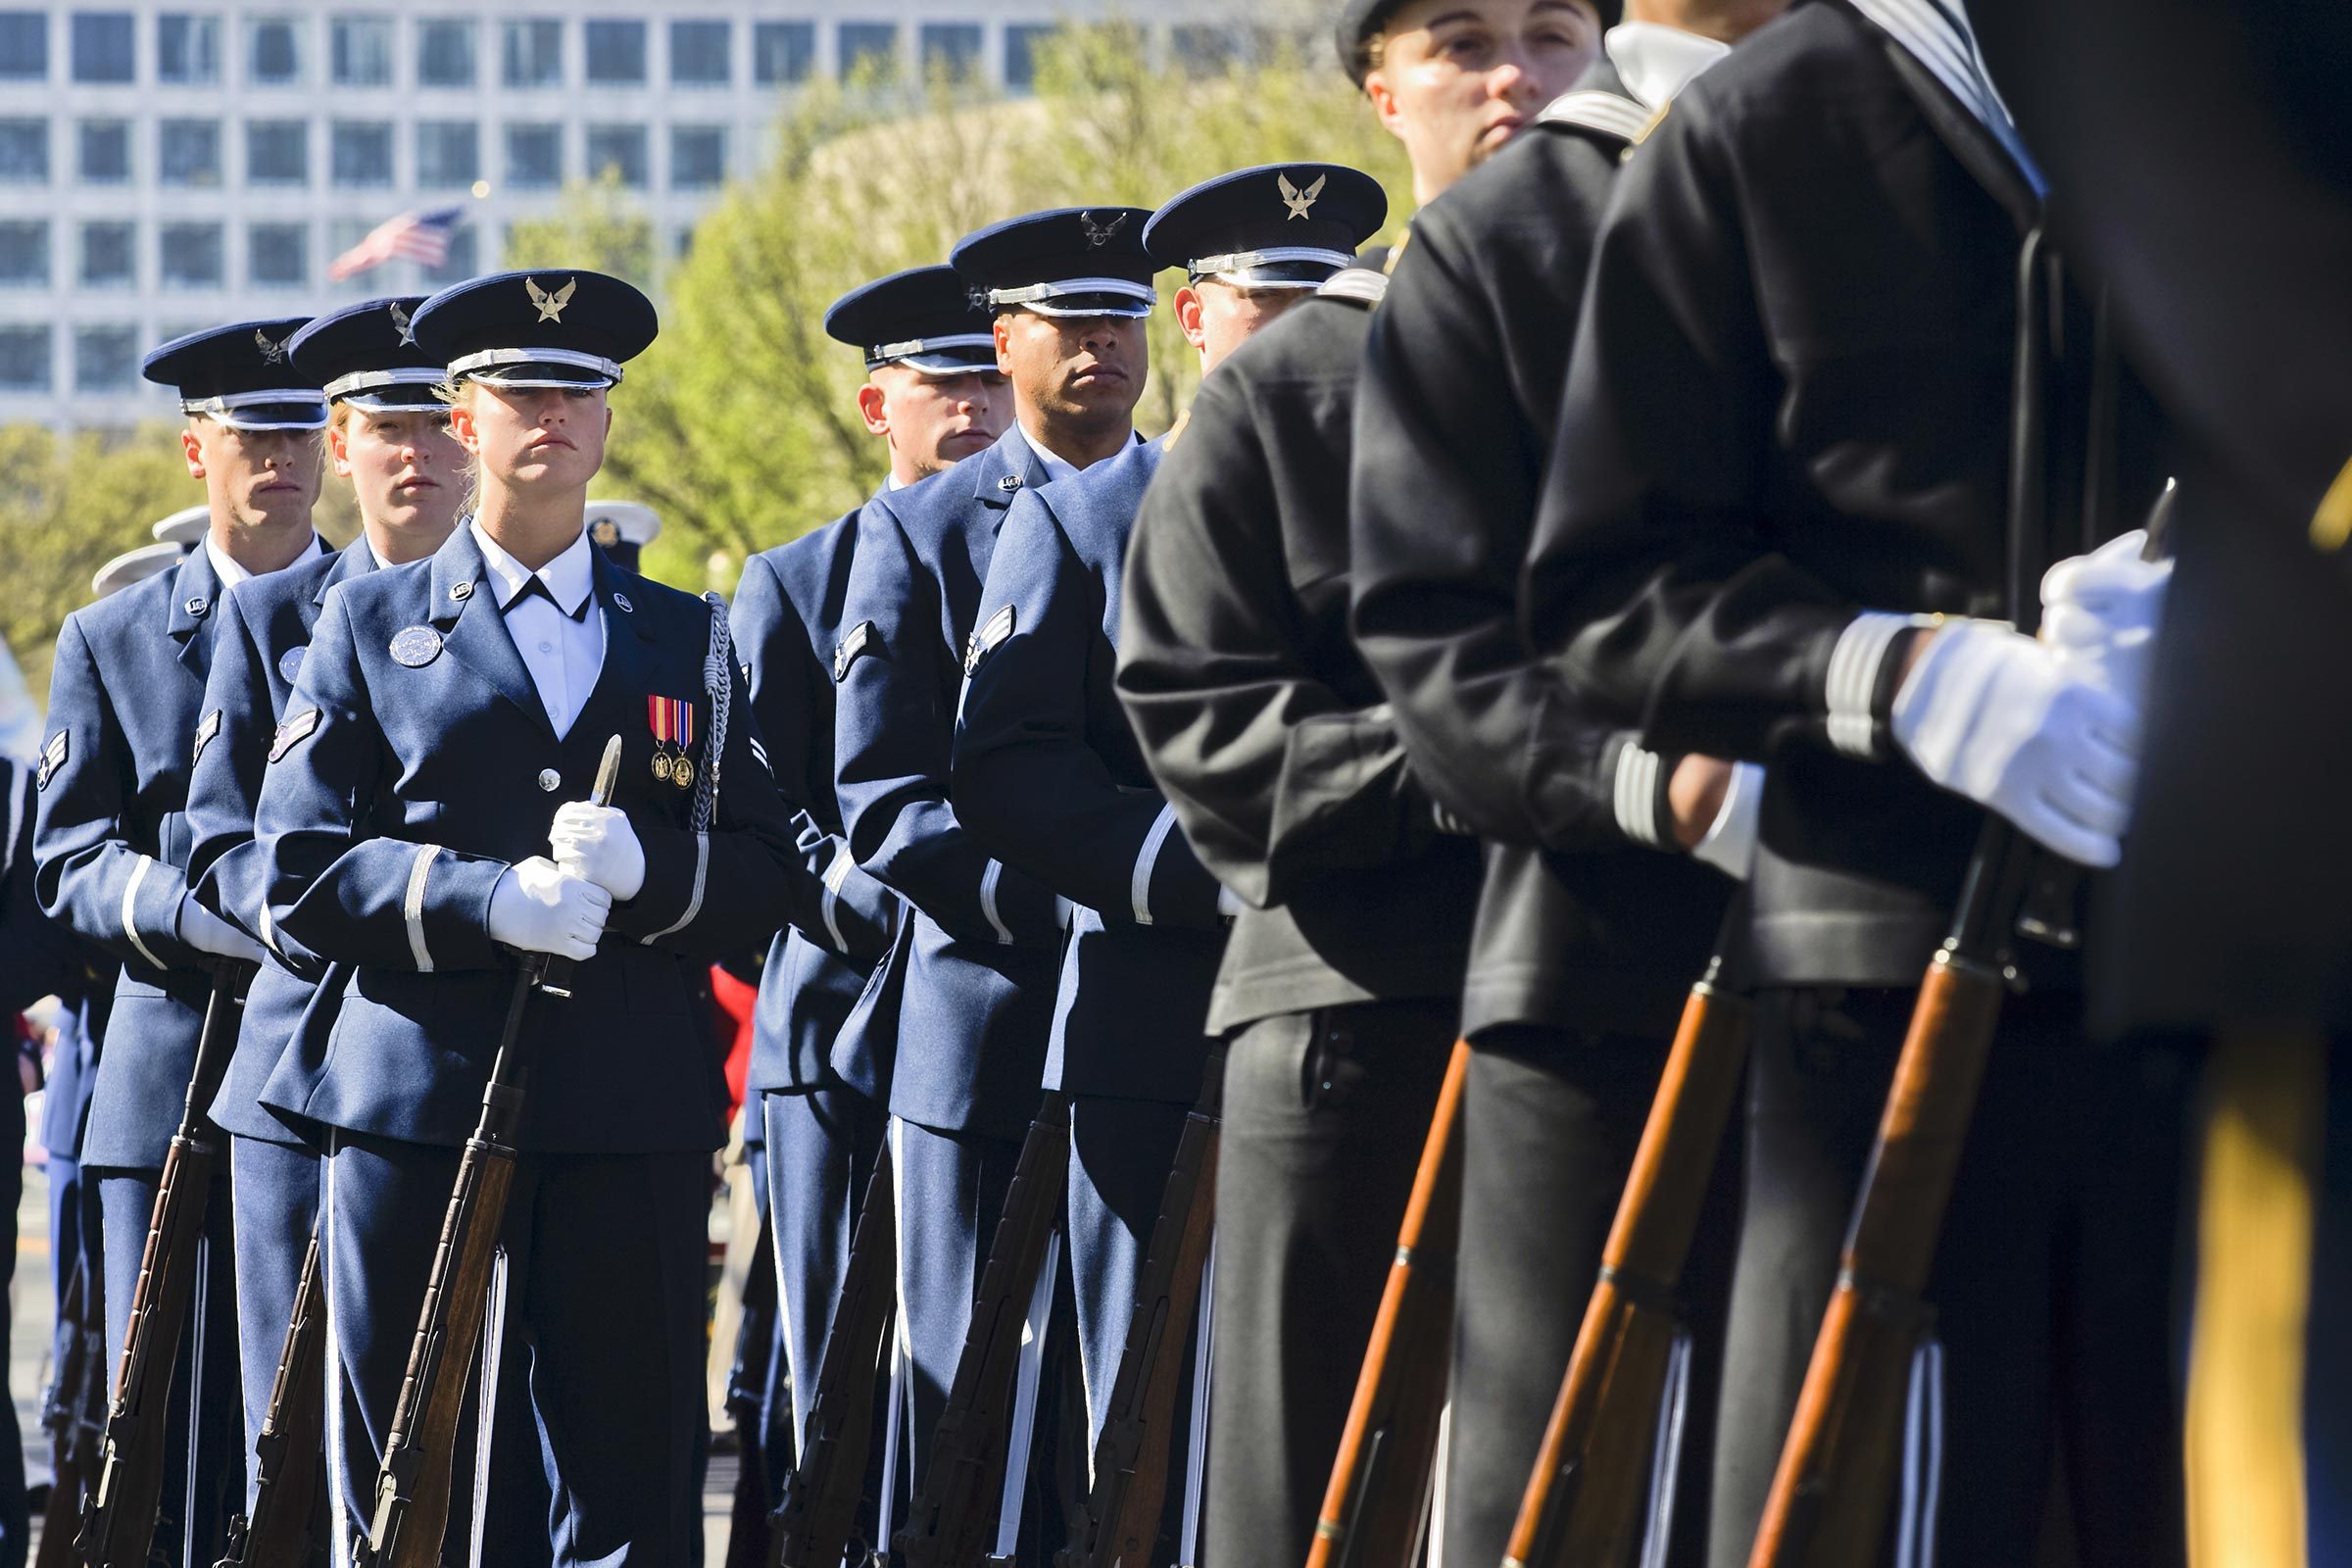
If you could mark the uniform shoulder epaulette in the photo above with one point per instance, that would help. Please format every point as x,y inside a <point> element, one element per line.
<point>1608,115</point>
<point>1359,285</point>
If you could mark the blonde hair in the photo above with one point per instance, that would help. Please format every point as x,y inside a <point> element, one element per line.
<point>457,391</point>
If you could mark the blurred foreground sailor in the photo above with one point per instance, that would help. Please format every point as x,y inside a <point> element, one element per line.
<point>1338,988</point>
<point>444,727</point>
<point>125,710</point>
<point>1049,777</point>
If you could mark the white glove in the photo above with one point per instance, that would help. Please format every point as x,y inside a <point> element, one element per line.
<point>2105,608</point>
<point>538,906</point>
<point>1730,843</point>
<point>2020,727</point>
<point>1229,904</point>
<point>200,928</point>
<point>597,842</point>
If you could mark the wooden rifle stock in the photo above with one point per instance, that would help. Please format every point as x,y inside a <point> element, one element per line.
<point>289,1457</point>
<point>74,1387</point>
<point>1583,1500</point>
<point>412,1489</point>
<point>1121,1524</point>
<point>119,1531</point>
<point>818,1524</point>
<point>1372,1510</point>
<point>955,1502</point>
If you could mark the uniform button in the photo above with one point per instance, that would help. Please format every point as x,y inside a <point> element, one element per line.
<point>550,780</point>
<point>546,647</point>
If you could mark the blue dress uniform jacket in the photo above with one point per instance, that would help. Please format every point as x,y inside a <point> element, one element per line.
<point>787,619</point>
<point>967,988</point>
<point>1049,776</point>
<point>113,842</point>
<point>403,790</point>
<point>264,626</point>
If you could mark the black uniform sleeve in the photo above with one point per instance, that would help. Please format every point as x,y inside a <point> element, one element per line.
<point>1652,580</point>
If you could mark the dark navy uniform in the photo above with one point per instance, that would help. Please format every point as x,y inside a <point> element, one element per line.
<point>1587,937</point>
<point>125,706</point>
<point>1784,407</point>
<point>1339,983</point>
<point>1048,773</point>
<point>418,763</point>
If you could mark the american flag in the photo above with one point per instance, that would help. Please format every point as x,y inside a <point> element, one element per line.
<point>417,236</point>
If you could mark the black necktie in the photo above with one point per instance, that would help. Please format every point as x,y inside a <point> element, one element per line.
<point>536,584</point>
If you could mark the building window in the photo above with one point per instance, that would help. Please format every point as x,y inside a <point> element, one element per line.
<point>952,47</point>
<point>275,56</point>
<point>103,47</point>
<point>363,152</point>
<point>25,152</point>
<point>534,156</point>
<point>616,54</point>
<point>24,252</point>
<point>445,54</point>
<point>362,48</point>
<point>534,54</point>
<point>187,50</point>
<point>278,254</point>
<point>277,152</point>
<point>869,48</point>
<point>108,254</point>
<point>105,152</point>
<point>699,54</point>
<point>24,358</point>
<point>449,155</point>
<point>783,52</point>
<point>1021,42</point>
<point>23,46</point>
<point>1206,51</point>
<point>698,157</point>
<point>191,255</point>
<point>620,149</point>
<point>188,152</point>
<point>106,359</point>
<point>460,262</point>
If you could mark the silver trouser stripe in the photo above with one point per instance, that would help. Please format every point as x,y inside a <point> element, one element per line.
<point>268,928</point>
<point>130,909</point>
<point>412,906</point>
<point>1139,885</point>
<point>694,902</point>
<point>835,875</point>
<point>988,900</point>
<point>1637,795</point>
<point>338,1501</point>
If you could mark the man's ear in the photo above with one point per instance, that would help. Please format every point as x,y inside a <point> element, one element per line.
<point>874,409</point>
<point>1384,103</point>
<point>1189,308</point>
<point>1001,326</point>
<point>191,445</point>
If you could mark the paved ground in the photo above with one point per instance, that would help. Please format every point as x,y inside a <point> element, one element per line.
<point>33,1312</point>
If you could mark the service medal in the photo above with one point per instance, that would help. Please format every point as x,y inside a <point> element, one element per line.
<point>660,764</point>
<point>681,771</point>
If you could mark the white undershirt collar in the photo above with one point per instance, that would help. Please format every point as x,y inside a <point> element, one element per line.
<point>568,576</point>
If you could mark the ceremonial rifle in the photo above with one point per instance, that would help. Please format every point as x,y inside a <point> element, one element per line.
<point>1584,1497</point>
<point>75,1392</point>
<point>1120,1526</point>
<point>817,1524</point>
<point>119,1531</point>
<point>289,1457</point>
<point>411,1490</point>
<point>956,1502</point>
<point>1373,1508</point>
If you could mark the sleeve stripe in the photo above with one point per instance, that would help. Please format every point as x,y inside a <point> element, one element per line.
<point>694,902</point>
<point>412,906</point>
<point>1139,885</point>
<point>835,875</point>
<point>988,900</point>
<point>1636,796</point>
<point>130,909</point>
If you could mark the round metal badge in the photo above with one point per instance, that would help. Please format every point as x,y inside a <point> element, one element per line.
<point>681,771</point>
<point>416,646</point>
<point>289,664</point>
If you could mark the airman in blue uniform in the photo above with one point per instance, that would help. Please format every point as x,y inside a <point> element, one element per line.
<point>967,990</point>
<point>126,705</point>
<point>446,712</point>
<point>934,395</point>
<point>1049,776</point>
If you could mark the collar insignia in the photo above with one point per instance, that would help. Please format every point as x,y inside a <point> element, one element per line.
<point>272,353</point>
<point>1296,200</point>
<point>401,321</point>
<point>1098,236</point>
<point>551,305</point>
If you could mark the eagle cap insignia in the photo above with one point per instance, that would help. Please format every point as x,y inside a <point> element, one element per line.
<point>1100,235</point>
<point>402,322</point>
<point>272,353</point>
<point>551,305</point>
<point>1299,202</point>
